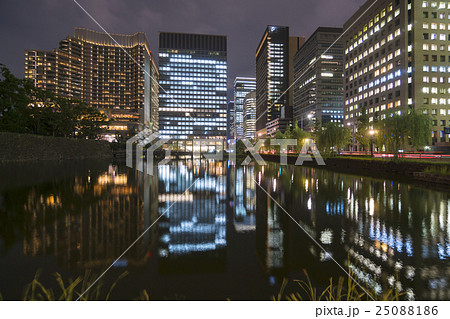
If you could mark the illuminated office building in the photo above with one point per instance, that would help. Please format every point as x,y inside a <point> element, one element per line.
<point>249,115</point>
<point>397,57</point>
<point>193,74</point>
<point>318,90</point>
<point>230,121</point>
<point>274,75</point>
<point>113,77</point>
<point>242,86</point>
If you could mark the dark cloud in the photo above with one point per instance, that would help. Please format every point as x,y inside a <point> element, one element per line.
<point>41,24</point>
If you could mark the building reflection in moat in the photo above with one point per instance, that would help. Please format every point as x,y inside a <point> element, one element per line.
<point>192,206</point>
<point>389,235</point>
<point>90,220</point>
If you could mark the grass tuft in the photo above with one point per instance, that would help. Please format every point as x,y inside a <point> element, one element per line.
<point>336,291</point>
<point>70,290</point>
<point>443,170</point>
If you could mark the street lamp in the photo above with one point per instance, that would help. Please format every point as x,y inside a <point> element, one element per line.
<point>372,133</point>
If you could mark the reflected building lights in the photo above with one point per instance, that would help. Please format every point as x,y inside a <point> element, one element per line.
<point>366,214</point>
<point>196,221</point>
<point>94,232</point>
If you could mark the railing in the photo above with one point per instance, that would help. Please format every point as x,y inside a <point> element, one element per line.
<point>414,156</point>
<point>385,155</point>
<point>400,155</point>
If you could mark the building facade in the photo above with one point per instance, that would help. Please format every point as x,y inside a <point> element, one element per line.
<point>274,76</point>
<point>242,86</point>
<point>230,121</point>
<point>119,78</point>
<point>193,78</point>
<point>397,58</point>
<point>249,115</point>
<point>318,89</point>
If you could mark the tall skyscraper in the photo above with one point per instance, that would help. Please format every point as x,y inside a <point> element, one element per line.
<point>318,89</point>
<point>193,75</point>
<point>90,66</point>
<point>230,121</point>
<point>250,115</point>
<point>295,43</point>
<point>397,57</point>
<point>273,77</point>
<point>242,86</point>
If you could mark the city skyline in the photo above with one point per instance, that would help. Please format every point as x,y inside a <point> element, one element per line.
<point>275,73</point>
<point>165,17</point>
<point>241,150</point>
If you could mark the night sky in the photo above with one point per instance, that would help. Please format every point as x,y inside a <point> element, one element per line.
<point>41,24</point>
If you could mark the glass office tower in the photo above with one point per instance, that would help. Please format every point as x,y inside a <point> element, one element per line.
<point>318,89</point>
<point>274,76</point>
<point>193,78</point>
<point>242,86</point>
<point>250,115</point>
<point>230,121</point>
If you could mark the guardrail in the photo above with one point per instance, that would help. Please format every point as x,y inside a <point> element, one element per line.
<point>386,155</point>
<point>415,156</point>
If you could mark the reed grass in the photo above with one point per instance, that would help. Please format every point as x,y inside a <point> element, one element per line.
<point>443,170</point>
<point>340,290</point>
<point>69,290</point>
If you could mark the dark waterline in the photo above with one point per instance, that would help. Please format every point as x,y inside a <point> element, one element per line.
<point>224,237</point>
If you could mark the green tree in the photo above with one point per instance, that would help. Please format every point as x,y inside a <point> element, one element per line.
<point>299,135</point>
<point>279,135</point>
<point>267,145</point>
<point>407,131</point>
<point>240,148</point>
<point>288,133</point>
<point>334,137</point>
<point>317,130</point>
<point>13,101</point>
<point>419,129</point>
<point>362,135</point>
<point>27,109</point>
<point>91,122</point>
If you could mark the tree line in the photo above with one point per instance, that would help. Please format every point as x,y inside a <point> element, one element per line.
<point>27,109</point>
<point>409,131</point>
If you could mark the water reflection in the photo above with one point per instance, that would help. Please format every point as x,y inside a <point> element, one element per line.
<point>211,218</point>
<point>395,235</point>
<point>242,189</point>
<point>93,220</point>
<point>192,206</point>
